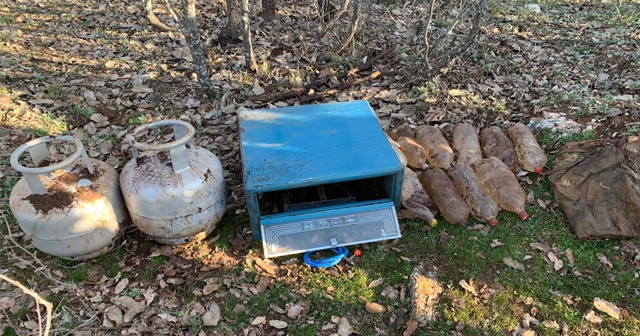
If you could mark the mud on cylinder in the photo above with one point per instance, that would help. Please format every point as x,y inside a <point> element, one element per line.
<point>175,192</point>
<point>72,209</point>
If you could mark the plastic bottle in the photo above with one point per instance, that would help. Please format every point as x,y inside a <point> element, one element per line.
<point>416,199</point>
<point>442,191</point>
<point>502,185</point>
<point>530,156</point>
<point>439,153</point>
<point>416,155</point>
<point>495,143</point>
<point>477,197</point>
<point>466,144</point>
<point>398,151</point>
<point>403,130</point>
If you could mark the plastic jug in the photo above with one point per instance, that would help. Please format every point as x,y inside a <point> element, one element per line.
<point>495,143</point>
<point>439,153</point>
<point>443,192</point>
<point>502,185</point>
<point>466,144</point>
<point>477,197</point>
<point>416,199</point>
<point>530,156</point>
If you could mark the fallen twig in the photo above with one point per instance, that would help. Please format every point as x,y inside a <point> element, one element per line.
<point>297,92</point>
<point>43,269</point>
<point>39,300</point>
<point>331,92</point>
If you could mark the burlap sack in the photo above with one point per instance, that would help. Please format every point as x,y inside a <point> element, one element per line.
<point>597,184</point>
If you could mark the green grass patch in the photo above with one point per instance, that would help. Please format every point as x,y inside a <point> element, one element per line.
<point>84,111</point>
<point>550,139</point>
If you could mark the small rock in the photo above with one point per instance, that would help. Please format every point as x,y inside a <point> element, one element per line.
<point>375,308</point>
<point>534,8</point>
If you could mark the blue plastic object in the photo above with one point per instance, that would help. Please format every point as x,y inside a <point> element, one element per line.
<point>341,253</point>
<point>315,145</point>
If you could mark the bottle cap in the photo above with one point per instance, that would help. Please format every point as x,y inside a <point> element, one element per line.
<point>538,170</point>
<point>493,222</point>
<point>523,215</point>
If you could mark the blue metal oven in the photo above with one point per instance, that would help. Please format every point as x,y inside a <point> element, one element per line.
<point>319,176</point>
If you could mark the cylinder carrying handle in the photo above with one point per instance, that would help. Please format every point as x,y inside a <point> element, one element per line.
<point>38,150</point>
<point>183,132</point>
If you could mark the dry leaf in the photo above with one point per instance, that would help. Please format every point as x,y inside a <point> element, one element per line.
<point>344,328</point>
<point>540,246</point>
<point>456,92</point>
<point>278,324</point>
<point>114,314</point>
<point>605,261</point>
<point>267,265</point>
<point>294,311</point>
<point>211,285</point>
<point>212,316</point>
<point>513,263</point>
<point>557,263</point>
<point>6,302</point>
<point>468,287</point>
<point>495,243</point>
<point>257,89</point>
<point>607,307</point>
<point>412,326</point>
<point>259,320</point>
<point>375,308</point>
<point>389,292</point>
<point>593,317</point>
<point>569,254</point>
<point>149,295</point>
<point>376,283</point>
<point>551,324</point>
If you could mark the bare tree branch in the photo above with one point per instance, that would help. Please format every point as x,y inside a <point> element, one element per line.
<point>355,18</point>
<point>153,19</point>
<point>427,31</point>
<point>343,9</point>
<point>455,51</point>
<point>39,300</point>
<point>171,11</point>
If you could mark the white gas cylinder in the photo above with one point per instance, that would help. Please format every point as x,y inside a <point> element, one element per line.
<point>175,192</point>
<point>72,209</point>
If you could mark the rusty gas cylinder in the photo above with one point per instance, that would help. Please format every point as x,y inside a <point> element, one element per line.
<point>72,209</point>
<point>175,191</point>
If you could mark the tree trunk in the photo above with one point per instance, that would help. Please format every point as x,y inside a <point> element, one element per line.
<point>250,59</point>
<point>153,19</point>
<point>234,29</point>
<point>268,10</point>
<point>189,27</point>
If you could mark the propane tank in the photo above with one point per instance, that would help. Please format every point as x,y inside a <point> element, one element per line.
<point>72,209</point>
<point>175,198</point>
